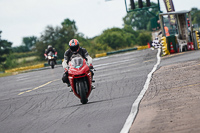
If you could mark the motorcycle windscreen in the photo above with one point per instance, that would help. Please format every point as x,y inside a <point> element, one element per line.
<point>50,53</point>
<point>77,62</point>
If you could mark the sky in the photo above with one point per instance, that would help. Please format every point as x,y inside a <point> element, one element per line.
<point>24,18</point>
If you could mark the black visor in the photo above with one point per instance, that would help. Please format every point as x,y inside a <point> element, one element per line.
<point>74,48</point>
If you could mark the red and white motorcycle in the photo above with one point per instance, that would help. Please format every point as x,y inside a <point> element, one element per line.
<point>80,78</point>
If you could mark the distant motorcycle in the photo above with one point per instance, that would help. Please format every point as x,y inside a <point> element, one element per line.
<point>51,59</point>
<point>80,78</point>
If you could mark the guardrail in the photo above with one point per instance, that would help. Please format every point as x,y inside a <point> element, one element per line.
<point>30,67</point>
<point>24,68</point>
<point>121,51</point>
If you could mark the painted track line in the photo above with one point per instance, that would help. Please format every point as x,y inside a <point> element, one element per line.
<point>37,87</point>
<point>134,109</point>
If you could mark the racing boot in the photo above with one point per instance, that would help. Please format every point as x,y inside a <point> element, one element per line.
<point>93,80</point>
<point>68,85</point>
<point>93,87</point>
<point>70,89</point>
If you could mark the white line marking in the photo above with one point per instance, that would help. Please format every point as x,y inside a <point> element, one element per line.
<point>135,105</point>
<point>37,87</point>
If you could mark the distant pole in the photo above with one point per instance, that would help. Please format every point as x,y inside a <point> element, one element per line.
<point>159,6</point>
<point>0,34</point>
<point>126,6</point>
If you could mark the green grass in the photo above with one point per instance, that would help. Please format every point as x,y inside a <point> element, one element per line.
<point>27,59</point>
<point>6,74</point>
<point>30,63</point>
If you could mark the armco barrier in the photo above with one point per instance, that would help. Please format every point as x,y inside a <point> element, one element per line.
<point>120,51</point>
<point>100,55</point>
<point>142,47</point>
<point>24,68</point>
<point>30,67</point>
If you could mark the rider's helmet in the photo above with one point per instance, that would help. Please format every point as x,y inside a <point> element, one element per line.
<point>49,47</point>
<point>74,45</point>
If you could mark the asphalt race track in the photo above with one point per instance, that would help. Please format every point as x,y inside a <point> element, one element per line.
<point>38,101</point>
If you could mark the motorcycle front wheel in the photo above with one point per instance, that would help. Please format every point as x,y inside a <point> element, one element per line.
<point>82,92</point>
<point>52,64</point>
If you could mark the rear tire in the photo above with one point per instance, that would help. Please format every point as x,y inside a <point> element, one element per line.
<point>82,92</point>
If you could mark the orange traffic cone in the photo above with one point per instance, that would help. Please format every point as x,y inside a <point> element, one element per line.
<point>171,48</point>
<point>148,45</point>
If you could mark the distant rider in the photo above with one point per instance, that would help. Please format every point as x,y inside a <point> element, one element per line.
<point>73,50</point>
<point>50,49</point>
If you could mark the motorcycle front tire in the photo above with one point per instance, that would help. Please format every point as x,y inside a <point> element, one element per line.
<point>82,92</point>
<point>52,64</point>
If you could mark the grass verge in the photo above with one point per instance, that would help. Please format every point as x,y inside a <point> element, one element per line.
<point>6,74</point>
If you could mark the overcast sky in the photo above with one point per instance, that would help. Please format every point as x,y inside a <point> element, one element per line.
<point>22,18</point>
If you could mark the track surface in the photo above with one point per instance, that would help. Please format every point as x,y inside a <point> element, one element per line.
<point>38,102</point>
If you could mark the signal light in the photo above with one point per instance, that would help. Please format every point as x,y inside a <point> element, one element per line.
<point>188,21</point>
<point>140,3</point>
<point>148,3</point>
<point>132,4</point>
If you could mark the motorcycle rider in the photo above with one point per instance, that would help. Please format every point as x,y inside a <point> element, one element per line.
<point>74,49</point>
<point>50,49</point>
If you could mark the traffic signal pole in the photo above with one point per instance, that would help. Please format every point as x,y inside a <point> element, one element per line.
<point>126,6</point>
<point>159,6</point>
